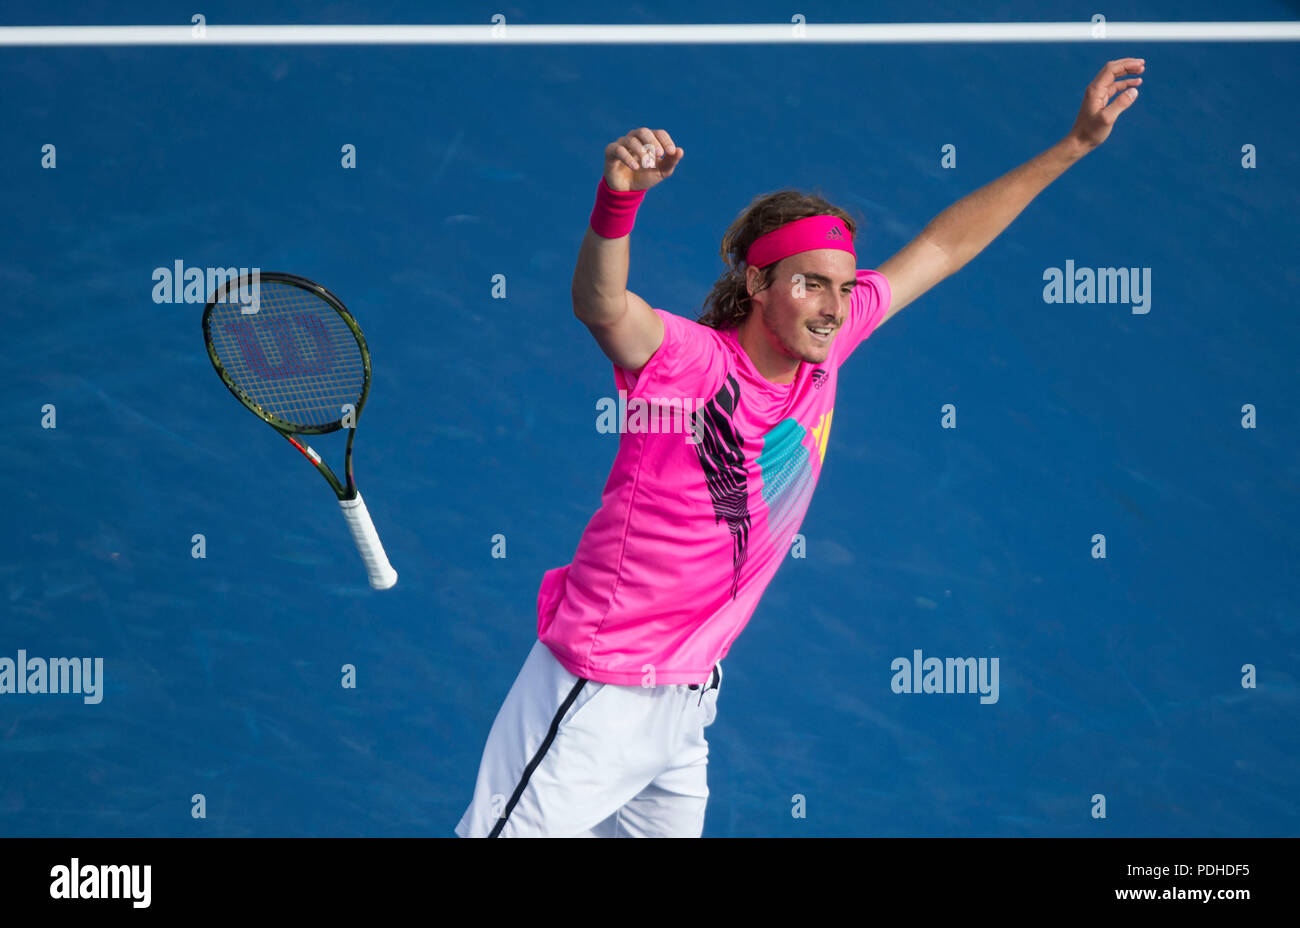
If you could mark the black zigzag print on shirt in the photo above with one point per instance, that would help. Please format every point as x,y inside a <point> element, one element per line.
<point>722,456</point>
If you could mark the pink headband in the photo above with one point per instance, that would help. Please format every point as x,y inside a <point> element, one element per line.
<point>806,234</point>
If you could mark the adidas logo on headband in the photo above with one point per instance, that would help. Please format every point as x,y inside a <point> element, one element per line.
<point>807,234</point>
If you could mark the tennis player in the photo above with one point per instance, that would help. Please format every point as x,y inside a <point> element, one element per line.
<point>602,732</point>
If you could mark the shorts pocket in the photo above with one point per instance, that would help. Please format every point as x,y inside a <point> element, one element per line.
<point>590,692</point>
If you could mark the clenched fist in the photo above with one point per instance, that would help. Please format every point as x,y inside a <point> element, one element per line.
<point>641,159</point>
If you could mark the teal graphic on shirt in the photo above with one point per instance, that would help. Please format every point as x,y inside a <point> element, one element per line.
<point>787,478</point>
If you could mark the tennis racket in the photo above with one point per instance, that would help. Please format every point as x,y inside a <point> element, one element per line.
<point>294,355</point>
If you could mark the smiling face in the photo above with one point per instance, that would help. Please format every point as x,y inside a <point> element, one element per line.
<point>785,327</point>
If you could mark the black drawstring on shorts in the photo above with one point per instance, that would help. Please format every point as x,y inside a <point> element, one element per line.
<point>713,682</point>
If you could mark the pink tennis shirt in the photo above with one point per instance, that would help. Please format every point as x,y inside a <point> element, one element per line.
<point>715,468</point>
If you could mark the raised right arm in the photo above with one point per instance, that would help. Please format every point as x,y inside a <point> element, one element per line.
<point>628,331</point>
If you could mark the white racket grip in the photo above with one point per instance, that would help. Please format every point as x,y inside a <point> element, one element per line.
<point>382,575</point>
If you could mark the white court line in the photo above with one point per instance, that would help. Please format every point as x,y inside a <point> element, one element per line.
<point>751,34</point>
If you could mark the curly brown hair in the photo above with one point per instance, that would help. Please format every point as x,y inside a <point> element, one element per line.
<point>729,303</point>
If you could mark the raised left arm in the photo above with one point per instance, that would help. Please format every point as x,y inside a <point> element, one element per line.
<point>966,228</point>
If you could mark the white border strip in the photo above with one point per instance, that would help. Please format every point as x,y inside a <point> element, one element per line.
<point>765,34</point>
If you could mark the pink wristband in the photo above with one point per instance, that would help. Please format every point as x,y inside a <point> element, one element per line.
<point>615,210</point>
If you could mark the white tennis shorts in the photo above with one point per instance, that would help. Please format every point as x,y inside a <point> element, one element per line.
<point>570,757</point>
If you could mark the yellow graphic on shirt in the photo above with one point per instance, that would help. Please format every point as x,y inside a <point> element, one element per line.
<point>821,434</point>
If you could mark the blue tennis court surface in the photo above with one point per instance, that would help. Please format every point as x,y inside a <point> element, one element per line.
<point>221,676</point>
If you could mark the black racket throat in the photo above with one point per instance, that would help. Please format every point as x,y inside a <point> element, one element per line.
<point>345,489</point>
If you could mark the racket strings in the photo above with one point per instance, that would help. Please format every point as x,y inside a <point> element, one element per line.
<point>296,357</point>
